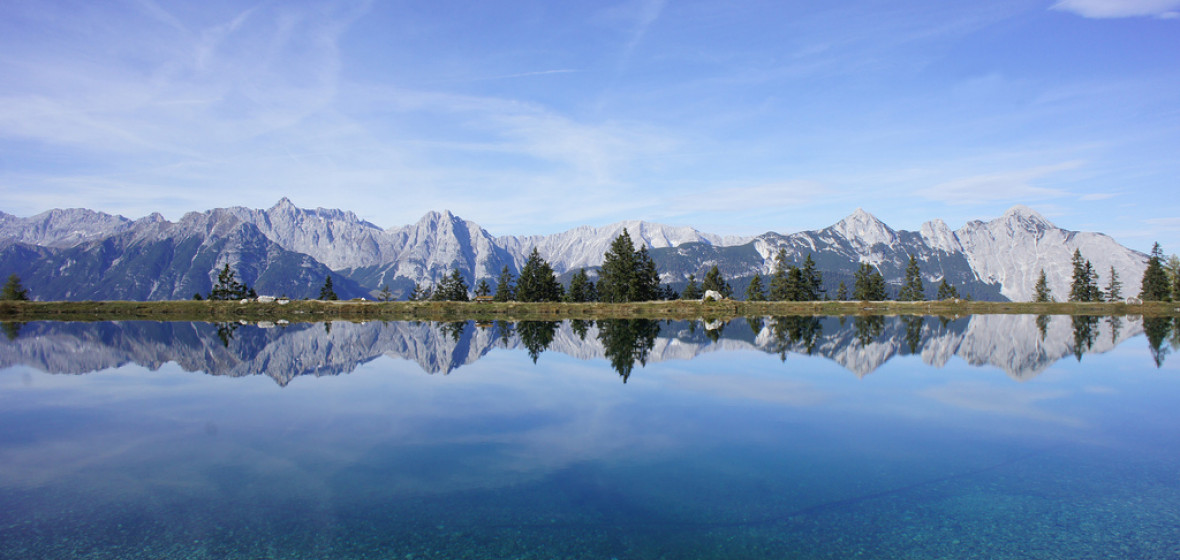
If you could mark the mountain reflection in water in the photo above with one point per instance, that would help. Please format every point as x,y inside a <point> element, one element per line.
<point>1020,345</point>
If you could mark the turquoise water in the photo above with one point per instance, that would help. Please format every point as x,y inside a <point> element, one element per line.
<point>976,438</point>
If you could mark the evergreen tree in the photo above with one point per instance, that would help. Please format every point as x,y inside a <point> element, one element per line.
<point>505,288</point>
<point>197,297</point>
<point>1172,267</point>
<point>385,294</point>
<point>537,281</point>
<point>1082,288</point>
<point>754,291</point>
<point>796,289</point>
<point>227,287</point>
<point>14,291</point>
<point>483,288</point>
<point>627,274</point>
<point>947,291</point>
<point>692,290</point>
<point>645,285</point>
<point>1114,288</point>
<point>452,288</point>
<point>581,288</point>
<point>912,289</point>
<point>716,282</point>
<point>419,293</point>
<point>869,285</point>
<point>1155,286</point>
<point>779,288</point>
<point>812,286</point>
<point>841,292</point>
<point>1041,292</point>
<point>326,292</point>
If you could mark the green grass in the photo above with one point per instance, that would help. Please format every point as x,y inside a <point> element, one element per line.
<point>312,310</point>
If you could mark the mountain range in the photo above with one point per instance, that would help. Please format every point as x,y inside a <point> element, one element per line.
<point>79,254</point>
<point>1015,344</point>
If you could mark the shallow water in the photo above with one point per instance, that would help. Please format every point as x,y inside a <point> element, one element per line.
<point>795,438</point>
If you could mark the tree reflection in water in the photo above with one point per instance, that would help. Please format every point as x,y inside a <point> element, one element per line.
<point>1157,330</point>
<point>627,342</point>
<point>536,336</point>
<point>1085,330</point>
<point>868,328</point>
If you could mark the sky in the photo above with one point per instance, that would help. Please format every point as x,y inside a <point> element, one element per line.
<point>532,117</point>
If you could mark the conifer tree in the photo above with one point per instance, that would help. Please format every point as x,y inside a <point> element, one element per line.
<point>716,282</point>
<point>754,291</point>
<point>1041,292</point>
<point>1082,287</point>
<point>912,289</point>
<point>326,291</point>
<point>537,281</point>
<point>796,285</point>
<point>869,285</point>
<point>227,287</point>
<point>618,270</point>
<point>779,288</point>
<point>451,288</point>
<point>628,274</point>
<point>812,286</point>
<point>692,290</point>
<point>581,288</point>
<point>1155,285</point>
<point>483,288</point>
<point>1114,288</point>
<point>842,292</point>
<point>505,290</point>
<point>385,294</point>
<point>14,291</point>
<point>947,291</point>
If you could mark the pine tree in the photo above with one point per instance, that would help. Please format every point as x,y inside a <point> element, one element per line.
<point>1155,286</point>
<point>869,285</point>
<point>418,293</point>
<point>692,290</point>
<point>1082,288</point>
<point>628,274</point>
<point>947,291</point>
<point>581,288</point>
<point>537,281</point>
<point>505,289</point>
<point>618,270</point>
<point>842,292</point>
<point>779,288</point>
<point>1114,288</point>
<point>1041,292</point>
<point>14,291</point>
<point>912,289</point>
<point>227,287</point>
<point>483,289</point>
<point>716,282</point>
<point>754,291</point>
<point>385,294</point>
<point>452,288</point>
<point>326,292</point>
<point>812,286</point>
<point>796,285</point>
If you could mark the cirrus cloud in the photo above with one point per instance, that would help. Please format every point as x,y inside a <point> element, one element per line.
<point>1102,9</point>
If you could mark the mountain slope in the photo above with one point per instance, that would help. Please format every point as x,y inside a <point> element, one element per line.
<point>77,253</point>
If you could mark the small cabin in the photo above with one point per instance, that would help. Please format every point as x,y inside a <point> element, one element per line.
<point>482,299</point>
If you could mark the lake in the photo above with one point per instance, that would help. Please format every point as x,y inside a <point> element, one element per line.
<point>997,436</point>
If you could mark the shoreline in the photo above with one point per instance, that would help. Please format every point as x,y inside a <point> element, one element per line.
<point>317,311</point>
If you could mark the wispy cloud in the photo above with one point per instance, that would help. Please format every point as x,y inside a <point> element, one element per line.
<point>1102,9</point>
<point>1098,196</point>
<point>1018,185</point>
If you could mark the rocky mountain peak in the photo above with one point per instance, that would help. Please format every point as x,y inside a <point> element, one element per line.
<point>865,228</point>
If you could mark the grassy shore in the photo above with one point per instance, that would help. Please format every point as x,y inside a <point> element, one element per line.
<point>312,310</point>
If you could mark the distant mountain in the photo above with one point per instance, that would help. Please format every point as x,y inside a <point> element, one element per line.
<point>285,250</point>
<point>1012,343</point>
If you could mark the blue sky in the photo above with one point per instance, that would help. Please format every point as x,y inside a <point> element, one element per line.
<point>534,117</point>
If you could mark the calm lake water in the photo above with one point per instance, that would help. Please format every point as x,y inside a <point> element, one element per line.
<point>983,437</point>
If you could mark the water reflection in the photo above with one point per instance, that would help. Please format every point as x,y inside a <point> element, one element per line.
<point>1022,346</point>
